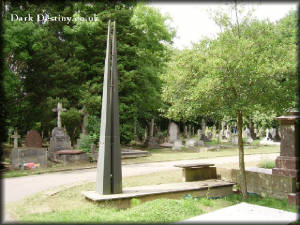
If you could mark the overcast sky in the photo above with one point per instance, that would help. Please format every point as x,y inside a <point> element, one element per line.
<point>192,20</point>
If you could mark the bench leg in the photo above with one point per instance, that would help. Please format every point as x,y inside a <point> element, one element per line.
<point>194,174</point>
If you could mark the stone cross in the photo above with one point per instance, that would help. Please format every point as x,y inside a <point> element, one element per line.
<point>16,137</point>
<point>59,109</point>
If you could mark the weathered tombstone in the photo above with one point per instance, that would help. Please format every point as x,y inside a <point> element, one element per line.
<point>59,140</point>
<point>227,132</point>
<point>214,131</point>
<point>33,152</point>
<point>222,133</point>
<point>287,163</point>
<point>109,173</point>
<point>177,145</point>
<point>234,139</point>
<point>247,135</point>
<point>173,132</point>
<point>33,139</point>
<point>185,131</point>
<point>203,137</point>
<point>15,137</point>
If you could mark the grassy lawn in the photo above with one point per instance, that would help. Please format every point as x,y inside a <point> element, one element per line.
<point>69,205</point>
<point>158,155</point>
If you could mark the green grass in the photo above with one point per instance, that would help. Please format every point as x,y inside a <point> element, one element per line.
<point>69,205</point>
<point>263,201</point>
<point>267,164</point>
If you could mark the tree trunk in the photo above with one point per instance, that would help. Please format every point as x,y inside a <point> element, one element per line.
<point>243,183</point>
<point>252,134</point>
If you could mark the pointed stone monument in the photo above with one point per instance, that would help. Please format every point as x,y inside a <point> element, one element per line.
<point>109,174</point>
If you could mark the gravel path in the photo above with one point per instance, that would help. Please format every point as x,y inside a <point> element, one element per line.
<point>18,188</point>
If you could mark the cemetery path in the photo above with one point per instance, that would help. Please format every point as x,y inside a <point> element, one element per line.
<point>18,188</point>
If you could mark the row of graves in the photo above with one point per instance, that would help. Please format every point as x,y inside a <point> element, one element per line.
<point>33,154</point>
<point>189,138</point>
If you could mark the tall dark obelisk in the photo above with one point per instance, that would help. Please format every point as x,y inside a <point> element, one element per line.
<point>109,173</point>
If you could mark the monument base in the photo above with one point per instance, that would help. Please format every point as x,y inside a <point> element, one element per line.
<point>294,199</point>
<point>287,162</point>
<point>287,166</point>
<point>286,172</point>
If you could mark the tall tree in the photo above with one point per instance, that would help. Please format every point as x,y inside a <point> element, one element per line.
<point>245,69</point>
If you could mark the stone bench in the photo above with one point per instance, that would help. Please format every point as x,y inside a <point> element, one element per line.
<point>198,171</point>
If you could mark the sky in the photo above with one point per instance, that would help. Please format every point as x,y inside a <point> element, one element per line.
<point>193,22</point>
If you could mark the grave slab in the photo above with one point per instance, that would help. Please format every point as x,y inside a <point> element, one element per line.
<point>176,190</point>
<point>245,213</point>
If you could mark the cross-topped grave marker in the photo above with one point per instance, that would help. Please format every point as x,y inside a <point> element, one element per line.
<point>16,137</point>
<point>59,109</point>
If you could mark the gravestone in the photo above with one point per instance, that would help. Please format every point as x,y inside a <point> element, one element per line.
<point>173,132</point>
<point>185,131</point>
<point>31,153</point>
<point>247,135</point>
<point>33,139</point>
<point>222,133</point>
<point>214,131</point>
<point>203,137</point>
<point>288,162</point>
<point>59,140</point>
<point>234,139</point>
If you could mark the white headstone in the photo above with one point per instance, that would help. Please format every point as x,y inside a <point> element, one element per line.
<point>173,132</point>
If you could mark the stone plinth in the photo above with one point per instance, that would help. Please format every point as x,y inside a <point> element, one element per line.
<point>288,162</point>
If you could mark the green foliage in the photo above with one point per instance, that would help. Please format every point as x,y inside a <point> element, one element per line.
<point>93,127</point>
<point>60,60</point>
<point>85,143</point>
<point>135,202</point>
<point>254,70</point>
<point>267,164</point>
<point>72,120</point>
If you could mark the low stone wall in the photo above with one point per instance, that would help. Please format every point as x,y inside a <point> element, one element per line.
<point>276,186</point>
